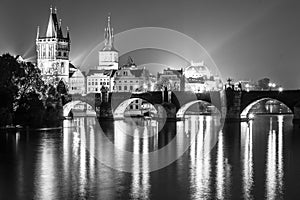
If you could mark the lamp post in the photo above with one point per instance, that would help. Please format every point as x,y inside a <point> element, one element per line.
<point>270,86</point>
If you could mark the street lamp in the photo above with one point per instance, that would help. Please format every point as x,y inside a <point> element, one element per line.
<point>280,89</point>
<point>251,116</point>
<point>270,85</point>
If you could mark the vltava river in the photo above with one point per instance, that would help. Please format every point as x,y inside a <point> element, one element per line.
<point>259,159</point>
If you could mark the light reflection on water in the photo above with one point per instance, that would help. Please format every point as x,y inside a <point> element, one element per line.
<point>247,158</point>
<point>248,161</point>
<point>200,168</point>
<point>274,164</point>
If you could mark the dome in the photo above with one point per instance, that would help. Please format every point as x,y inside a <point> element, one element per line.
<point>196,70</point>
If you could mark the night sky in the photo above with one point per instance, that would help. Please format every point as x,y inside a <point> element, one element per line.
<point>246,39</point>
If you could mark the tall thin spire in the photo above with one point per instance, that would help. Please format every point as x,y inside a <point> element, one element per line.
<point>108,35</point>
<point>108,20</point>
<point>68,33</point>
<point>38,32</point>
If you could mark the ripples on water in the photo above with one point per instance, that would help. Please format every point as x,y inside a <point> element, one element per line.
<point>255,160</point>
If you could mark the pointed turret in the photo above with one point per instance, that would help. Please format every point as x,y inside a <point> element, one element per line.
<point>51,32</point>
<point>108,36</point>
<point>53,26</point>
<point>59,32</point>
<point>68,33</point>
<point>38,32</point>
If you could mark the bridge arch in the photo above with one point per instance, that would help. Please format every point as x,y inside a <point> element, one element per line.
<point>68,107</point>
<point>181,112</point>
<point>245,111</point>
<point>119,111</point>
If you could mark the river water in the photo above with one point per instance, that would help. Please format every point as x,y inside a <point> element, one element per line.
<point>259,159</point>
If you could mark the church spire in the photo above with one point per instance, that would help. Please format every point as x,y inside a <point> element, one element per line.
<point>51,29</point>
<point>108,35</point>
<point>38,32</point>
<point>68,33</point>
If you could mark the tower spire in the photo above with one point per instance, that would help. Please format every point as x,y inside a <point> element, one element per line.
<point>51,29</point>
<point>108,35</point>
<point>60,20</point>
<point>38,32</point>
<point>68,33</point>
<point>108,20</point>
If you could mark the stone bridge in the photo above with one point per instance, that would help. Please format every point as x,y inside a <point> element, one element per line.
<point>233,105</point>
<point>239,103</point>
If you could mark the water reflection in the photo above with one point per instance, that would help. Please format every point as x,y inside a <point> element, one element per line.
<point>247,158</point>
<point>200,170</point>
<point>223,170</point>
<point>274,164</point>
<point>248,162</point>
<point>140,186</point>
<point>46,182</point>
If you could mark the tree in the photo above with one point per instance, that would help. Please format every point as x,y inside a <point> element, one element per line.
<point>263,83</point>
<point>18,81</point>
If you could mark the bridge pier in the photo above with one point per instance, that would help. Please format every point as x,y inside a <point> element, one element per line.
<point>104,110</point>
<point>296,119</point>
<point>233,100</point>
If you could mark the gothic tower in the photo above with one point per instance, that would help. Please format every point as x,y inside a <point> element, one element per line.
<point>108,56</point>
<point>53,51</point>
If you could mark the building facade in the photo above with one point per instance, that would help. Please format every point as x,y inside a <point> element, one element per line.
<point>199,79</point>
<point>52,50</point>
<point>171,78</point>
<point>96,79</point>
<point>130,78</point>
<point>77,83</point>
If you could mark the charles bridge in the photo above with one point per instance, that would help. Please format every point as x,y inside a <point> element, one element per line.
<point>234,105</point>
